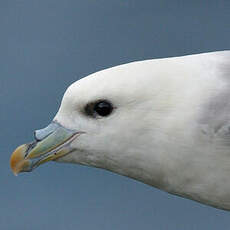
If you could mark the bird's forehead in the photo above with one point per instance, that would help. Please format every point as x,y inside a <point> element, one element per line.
<point>116,83</point>
<point>89,89</point>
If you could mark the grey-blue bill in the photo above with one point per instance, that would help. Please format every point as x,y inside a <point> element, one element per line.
<point>50,143</point>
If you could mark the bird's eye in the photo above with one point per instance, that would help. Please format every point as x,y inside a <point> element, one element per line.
<point>103,108</point>
<point>100,108</point>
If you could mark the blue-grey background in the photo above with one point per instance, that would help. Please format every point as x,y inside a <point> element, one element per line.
<point>48,44</point>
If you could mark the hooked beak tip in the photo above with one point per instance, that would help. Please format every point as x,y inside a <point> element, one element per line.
<point>18,163</point>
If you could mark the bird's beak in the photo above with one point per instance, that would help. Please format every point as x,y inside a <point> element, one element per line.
<point>50,143</point>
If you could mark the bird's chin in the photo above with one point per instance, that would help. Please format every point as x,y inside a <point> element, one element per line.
<point>76,156</point>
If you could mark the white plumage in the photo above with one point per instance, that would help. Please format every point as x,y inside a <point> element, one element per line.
<point>170,126</point>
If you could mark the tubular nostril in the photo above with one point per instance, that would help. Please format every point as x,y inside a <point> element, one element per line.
<point>36,136</point>
<point>40,134</point>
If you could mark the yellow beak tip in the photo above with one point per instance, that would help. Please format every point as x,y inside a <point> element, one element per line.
<point>17,160</point>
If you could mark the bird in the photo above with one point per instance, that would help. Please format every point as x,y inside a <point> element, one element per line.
<point>164,122</point>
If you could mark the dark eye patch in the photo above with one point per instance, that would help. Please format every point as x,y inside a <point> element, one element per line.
<point>101,108</point>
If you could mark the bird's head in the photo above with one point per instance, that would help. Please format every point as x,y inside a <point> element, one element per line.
<point>108,120</point>
<point>148,120</point>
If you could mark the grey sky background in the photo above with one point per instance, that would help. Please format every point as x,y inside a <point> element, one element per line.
<point>48,44</point>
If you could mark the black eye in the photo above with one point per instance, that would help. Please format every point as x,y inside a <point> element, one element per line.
<point>100,108</point>
<point>103,108</point>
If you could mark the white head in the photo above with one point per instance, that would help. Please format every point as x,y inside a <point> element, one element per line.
<point>135,120</point>
<point>122,139</point>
